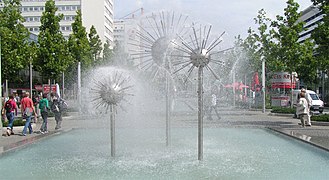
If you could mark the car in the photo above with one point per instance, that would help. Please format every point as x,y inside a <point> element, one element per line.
<point>317,105</point>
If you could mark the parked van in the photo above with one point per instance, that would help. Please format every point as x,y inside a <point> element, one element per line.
<point>316,103</point>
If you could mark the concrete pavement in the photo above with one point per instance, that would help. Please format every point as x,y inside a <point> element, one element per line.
<point>317,135</point>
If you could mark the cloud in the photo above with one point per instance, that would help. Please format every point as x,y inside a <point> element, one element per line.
<point>233,16</point>
<point>139,3</point>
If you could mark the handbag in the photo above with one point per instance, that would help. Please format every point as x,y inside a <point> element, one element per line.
<point>27,113</point>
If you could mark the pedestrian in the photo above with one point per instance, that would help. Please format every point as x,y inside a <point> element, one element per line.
<point>213,106</point>
<point>27,110</point>
<point>56,109</point>
<point>309,104</point>
<point>302,109</point>
<point>10,109</point>
<point>35,100</point>
<point>44,107</point>
<point>211,103</point>
<point>18,100</point>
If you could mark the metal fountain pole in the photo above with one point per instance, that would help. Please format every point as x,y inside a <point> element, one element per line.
<point>79,86</point>
<point>233,83</point>
<point>112,129</point>
<point>263,84</point>
<point>168,106</point>
<point>200,113</point>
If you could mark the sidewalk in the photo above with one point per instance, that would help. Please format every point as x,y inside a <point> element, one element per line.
<point>17,140</point>
<point>317,135</point>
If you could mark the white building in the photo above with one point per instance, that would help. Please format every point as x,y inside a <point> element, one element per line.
<point>94,12</point>
<point>311,16</point>
<point>125,34</point>
<point>125,30</point>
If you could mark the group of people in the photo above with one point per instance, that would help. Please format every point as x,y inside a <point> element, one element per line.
<point>303,108</point>
<point>28,109</point>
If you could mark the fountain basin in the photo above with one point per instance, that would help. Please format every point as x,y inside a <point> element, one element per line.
<point>229,153</point>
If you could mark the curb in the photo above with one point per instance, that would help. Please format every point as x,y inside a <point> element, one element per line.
<point>281,114</point>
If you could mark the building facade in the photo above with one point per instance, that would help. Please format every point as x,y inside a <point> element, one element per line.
<point>311,16</point>
<point>94,12</point>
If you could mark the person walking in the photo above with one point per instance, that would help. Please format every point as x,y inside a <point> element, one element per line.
<point>309,104</point>
<point>18,100</point>
<point>303,109</point>
<point>27,110</point>
<point>56,109</point>
<point>10,109</point>
<point>213,106</point>
<point>44,107</point>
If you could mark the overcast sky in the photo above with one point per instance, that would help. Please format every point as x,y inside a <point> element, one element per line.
<point>232,16</point>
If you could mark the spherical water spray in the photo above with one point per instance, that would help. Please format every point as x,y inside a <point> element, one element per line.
<point>109,93</point>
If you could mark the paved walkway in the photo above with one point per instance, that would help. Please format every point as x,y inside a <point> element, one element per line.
<point>317,135</point>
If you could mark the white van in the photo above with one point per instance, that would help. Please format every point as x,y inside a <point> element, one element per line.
<point>316,102</point>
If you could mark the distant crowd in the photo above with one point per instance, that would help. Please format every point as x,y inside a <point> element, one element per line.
<point>30,109</point>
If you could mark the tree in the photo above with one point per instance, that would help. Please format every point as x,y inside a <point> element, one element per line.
<point>107,54</point>
<point>321,36</point>
<point>53,56</point>
<point>79,44</point>
<point>95,44</point>
<point>288,51</point>
<point>14,40</point>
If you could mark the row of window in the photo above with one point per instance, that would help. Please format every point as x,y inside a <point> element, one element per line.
<point>109,3</point>
<point>310,25</point>
<point>63,29</point>
<point>119,30</point>
<point>107,11</point>
<point>41,8</point>
<point>313,17</point>
<point>107,21</point>
<point>38,18</point>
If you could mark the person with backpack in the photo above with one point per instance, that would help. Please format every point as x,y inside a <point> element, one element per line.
<point>44,107</point>
<point>27,108</point>
<point>56,109</point>
<point>10,108</point>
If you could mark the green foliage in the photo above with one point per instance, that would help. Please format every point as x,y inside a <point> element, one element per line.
<point>95,45</point>
<point>283,110</point>
<point>322,117</point>
<point>107,54</point>
<point>288,50</point>
<point>14,40</point>
<point>17,122</point>
<point>277,42</point>
<point>53,56</point>
<point>79,44</point>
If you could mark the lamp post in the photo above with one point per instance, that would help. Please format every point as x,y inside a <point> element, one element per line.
<point>31,81</point>
<point>0,86</point>
<point>263,83</point>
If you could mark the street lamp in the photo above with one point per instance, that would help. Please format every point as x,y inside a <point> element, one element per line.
<point>31,81</point>
<point>263,83</point>
<point>0,87</point>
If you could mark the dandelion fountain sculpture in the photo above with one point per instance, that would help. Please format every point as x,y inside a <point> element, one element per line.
<point>155,33</point>
<point>197,54</point>
<point>108,94</point>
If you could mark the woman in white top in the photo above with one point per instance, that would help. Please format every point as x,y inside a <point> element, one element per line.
<point>302,109</point>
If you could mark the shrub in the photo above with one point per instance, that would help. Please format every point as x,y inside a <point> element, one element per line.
<point>17,122</point>
<point>283,110</point>
<point>322,117</point>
